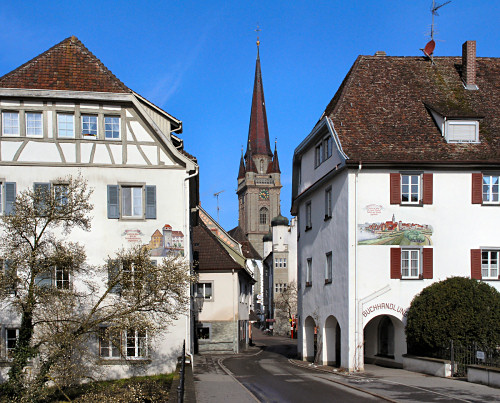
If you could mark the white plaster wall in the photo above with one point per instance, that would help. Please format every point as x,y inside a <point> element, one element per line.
<point>322,300</point>
<point>225,296</point>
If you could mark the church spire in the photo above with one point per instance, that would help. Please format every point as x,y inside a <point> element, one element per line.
<point>241,172</point>
<point>258,133</point>
<point>274,165</point>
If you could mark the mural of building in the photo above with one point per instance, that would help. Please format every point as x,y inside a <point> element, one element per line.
<point>83,121</point>
<point>402,138</point>
<point>167,241</point>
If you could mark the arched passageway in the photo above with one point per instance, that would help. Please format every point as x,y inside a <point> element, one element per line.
<point>310,346</point>
<point>332,343</point>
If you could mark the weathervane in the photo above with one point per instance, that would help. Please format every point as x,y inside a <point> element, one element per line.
<point>431,45</point>
<point>258,30</point>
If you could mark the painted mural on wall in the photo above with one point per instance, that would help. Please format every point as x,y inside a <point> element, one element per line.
<point>394,232</point>
<point>167,241</point>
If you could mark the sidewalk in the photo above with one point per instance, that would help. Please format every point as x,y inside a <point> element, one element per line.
<point>400,385</point>
<point>213,384</point>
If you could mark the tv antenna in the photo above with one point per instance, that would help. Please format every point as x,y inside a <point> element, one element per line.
<point>431,45</point>
<point>217,196</point>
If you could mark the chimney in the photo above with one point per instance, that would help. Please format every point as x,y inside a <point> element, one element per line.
<point>380,53</point>
<point>469,65</point>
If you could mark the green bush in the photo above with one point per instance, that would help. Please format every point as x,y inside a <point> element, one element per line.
<point>458,309</point>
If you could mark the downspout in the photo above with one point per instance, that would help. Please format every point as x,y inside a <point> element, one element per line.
<point>235,329</point>
<point>356,292</point>
<point>187,251</point>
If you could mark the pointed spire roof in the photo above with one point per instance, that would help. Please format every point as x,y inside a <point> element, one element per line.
<point>258,133</point>
<point>241,172</point>
<point>274,165</point>
<point>68,66</point>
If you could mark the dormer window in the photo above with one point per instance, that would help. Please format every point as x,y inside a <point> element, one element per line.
<point>461,131</point>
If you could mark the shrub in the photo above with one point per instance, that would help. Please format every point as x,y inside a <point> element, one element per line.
<point>458,309</point>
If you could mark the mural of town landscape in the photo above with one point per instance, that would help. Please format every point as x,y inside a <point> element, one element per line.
<point>394,233</point>
<point>167,241</point>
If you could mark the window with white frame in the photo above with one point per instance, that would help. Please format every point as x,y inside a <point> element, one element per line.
<point>89,126</point>
<point>309,272</point>
<point>109,343</point>
<point>491,189</point>
<point>328,203</point>
<point>61,191</point>
<point>328,268</point>
<point>489,264</point>
<point>132,201</point>
<point>462,131</point>
<point>62,278</point>
<point>410,263</point>
<point>308,215</point>
<point>11,337</point>
<point>205,290</point>
<point>136,343</point>
<point>112,127</point>
<point>10,123</point>
<point>34,126</point>
<point>65,125</point>
<point>410,189</point>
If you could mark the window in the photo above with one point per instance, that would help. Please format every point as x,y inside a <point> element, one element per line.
<point>9,276</point>
<point>112,127</point>
<point>284,262</point>
<point>11,337</point>
<point>62,278</point>
<point>136,343</point>
<point>89,126</point>
<point>263,216</point>
<point>328,147</point>
<point>410,263</point>
<point>323,151</point>
<point>10,123</point>
<point>135,201</point>
<point>203,332</point>
<point>319,154</point>
<point>489,264</point>
<point>34,126</point>
<point>308,216</point>
<point>414,189</point>
<point>205,290</point>
<point>329,268</point>
<point>109,343</point>
<point>65,125</point>
<point>462,131</point>
<point>410,189</point>
<point>42,196</point>
<point>7,197</point>
<point>328,203</point>
<point>61,191</point>
<point>490,189</point>
<point>309,272</point>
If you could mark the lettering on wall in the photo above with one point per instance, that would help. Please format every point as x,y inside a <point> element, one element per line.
<point>383,305</point>
<point>374,209</point>
<point>133,235</point>
<point>394,232</point>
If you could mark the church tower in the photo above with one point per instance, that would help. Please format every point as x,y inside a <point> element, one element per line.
<point>259,174</point>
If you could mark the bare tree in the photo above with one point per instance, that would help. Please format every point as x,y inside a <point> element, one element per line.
<point>62,319</point>
<point>285,307</point>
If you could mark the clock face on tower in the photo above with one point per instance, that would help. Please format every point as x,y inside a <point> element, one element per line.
<point>264,194</point>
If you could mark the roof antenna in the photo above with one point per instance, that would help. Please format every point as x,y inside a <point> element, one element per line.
<point>217,196</point>
<point>431,45</point>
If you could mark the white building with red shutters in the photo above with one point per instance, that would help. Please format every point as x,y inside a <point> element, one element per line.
<point>396,187</point>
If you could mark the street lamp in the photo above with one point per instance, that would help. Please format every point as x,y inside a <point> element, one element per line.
<point>199,300</point>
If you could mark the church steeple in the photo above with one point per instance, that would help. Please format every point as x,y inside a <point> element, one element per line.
<point>274,165</point>
<point>258,134</point>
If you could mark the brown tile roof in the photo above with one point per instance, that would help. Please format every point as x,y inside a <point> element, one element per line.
<point>380,111</point>
<point>209,252</point>
<point>70,66</point>
<point>248,250</point>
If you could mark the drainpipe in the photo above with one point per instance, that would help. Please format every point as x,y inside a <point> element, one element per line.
<point>235,328</point>
<point>357,326</point>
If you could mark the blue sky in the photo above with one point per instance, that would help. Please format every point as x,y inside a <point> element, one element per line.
<point>196,60</point>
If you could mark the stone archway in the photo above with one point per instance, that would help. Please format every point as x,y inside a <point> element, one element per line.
<point>331,343</point>
<point>384,341</point>
<point>310,341</point>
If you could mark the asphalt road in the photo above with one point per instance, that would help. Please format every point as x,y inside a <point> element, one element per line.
<point>270,377</point>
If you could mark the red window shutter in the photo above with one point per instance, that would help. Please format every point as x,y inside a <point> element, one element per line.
<point>477,191</point>
<point>396,263</point>
<point>395,191</point>
<point>427,262</point>
<point>475,264</point>
<point>427,187</point>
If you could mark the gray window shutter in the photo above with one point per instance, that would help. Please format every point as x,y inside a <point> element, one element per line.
<point>113,274</point>
<point>151,201</point>
<point>43,189</point>
<point>10,197</point>
<point>113,201</point>
<point>44,279</point>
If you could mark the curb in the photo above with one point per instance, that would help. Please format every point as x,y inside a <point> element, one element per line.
<point>227,371</point>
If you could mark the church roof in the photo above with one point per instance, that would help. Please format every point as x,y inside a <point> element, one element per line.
<point>241,172</point>
<point>258,133</point>
<point>248,250</point>
<point>68,66</point>
<point>274,164</point>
